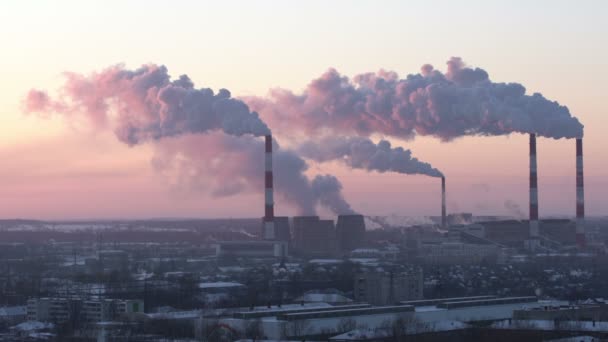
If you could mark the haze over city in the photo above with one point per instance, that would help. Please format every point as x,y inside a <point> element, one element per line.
<point>281,171</point>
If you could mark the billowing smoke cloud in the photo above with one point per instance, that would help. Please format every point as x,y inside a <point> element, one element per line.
<point>362,153</point>
<point>225,165</point>
<point>145,104</point>
<point>328,191</point>
<point>462,101</point>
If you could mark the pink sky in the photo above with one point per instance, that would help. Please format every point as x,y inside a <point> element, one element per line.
<point>52,170</point>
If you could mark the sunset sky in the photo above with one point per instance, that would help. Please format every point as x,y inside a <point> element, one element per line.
<point>52,169</point>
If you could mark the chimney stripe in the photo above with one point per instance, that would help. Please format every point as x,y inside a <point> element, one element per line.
<point>533,212</point>
<point>444,221</point>
<point>268,232</point>
<point>580,196</point>
<point>534,225</point>
<point>269,180</point>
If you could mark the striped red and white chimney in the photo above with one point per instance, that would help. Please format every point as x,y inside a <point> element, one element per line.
<point>444,220</point>
<point>580,196</point>
<point>269,231</point>
<point>534,233</point>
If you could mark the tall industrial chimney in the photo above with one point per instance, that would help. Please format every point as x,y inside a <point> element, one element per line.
<point>580,196</point>
<point>444,220</point>
<point>533,190</point>
<point>269,231</point>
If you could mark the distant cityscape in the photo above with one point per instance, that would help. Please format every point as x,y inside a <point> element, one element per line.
<point>303,171</point>
<point>317,280</point>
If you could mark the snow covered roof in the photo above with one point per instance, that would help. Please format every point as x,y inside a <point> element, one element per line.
<point>192,314</point>
<point>551,325</point>
<point>411,329</point>
<point>576,339</point>
<point>10,311</point>
<point>218,284</point>
<point>323,297</point>
<point>33,325</point>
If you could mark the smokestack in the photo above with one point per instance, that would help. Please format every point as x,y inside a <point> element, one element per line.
<point>269,232</point>
<point>444,220</point>
<point>580,196</point>
<point>533,190</point>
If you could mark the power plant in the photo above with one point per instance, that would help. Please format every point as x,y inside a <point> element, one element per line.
<point>534,229</point>
<point>311,233</point>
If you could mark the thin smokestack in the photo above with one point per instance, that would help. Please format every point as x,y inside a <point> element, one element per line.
<point>580,196</point>
<point>533,189</point>
<point>444,221</point>
<point>269,232</point>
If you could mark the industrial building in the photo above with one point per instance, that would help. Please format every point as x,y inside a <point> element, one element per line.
<point>581,312</point>
<point>313,236</point>
<point>282,228</point>
<point>553,233</point>
<point>460,253</point>
<point>61,310</point>
<point>388,287</point>
<point>252,249</point>
<point>300,321</point>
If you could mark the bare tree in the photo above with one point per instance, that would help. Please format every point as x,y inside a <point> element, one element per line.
<point>346,324</point>
<point>299,328</point>
<point>404,326</point>
<point>254,330</point>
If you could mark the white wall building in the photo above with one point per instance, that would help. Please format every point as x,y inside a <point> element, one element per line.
<point>59,310</point>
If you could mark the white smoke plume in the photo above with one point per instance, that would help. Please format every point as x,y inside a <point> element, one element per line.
<point>328,191</point>
<point>145,104</point>
<point>226,165</point>
<point>462,101</point>
<point>362,153</point>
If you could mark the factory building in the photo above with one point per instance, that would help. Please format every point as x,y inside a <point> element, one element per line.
<point>511,233</point>
<point>282,228</point>
<point>387,288</point>
<point>61,310</point>
<point>581,312</point>
<point>553,233</point>
<point>297,322</point>
<point>313,236</point>
<point>562,231</point>
<point>447,253</point>
<point>252,249</point>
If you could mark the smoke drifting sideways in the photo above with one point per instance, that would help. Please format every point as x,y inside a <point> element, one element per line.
<point>362,153</point>
<point>234,165</point>
<point>462,101</point>
<point>145,105</point>
<point>514,209</point>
